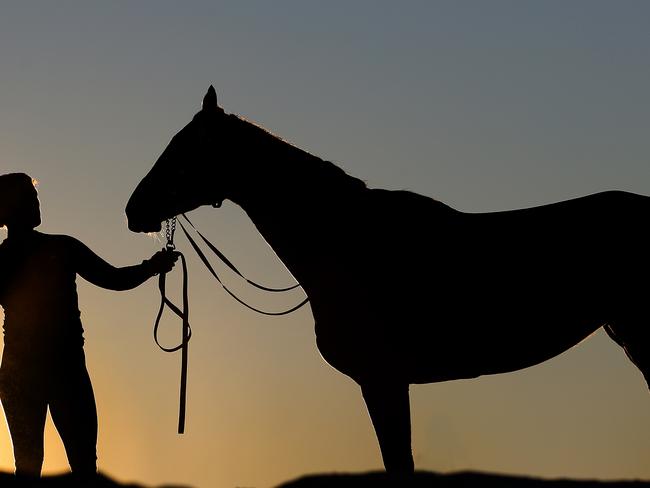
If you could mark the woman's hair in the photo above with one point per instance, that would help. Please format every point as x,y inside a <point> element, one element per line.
<point>14,189</point>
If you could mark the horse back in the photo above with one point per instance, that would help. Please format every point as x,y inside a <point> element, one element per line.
<point>421,235</point>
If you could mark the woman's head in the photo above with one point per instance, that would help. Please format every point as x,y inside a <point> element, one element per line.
<point>19,206</point>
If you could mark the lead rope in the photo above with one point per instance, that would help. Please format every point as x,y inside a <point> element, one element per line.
<point>170,228</point>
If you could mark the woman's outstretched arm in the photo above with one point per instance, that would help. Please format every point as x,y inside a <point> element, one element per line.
<point>98,272</point>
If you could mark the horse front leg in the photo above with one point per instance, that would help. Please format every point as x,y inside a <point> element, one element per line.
<point>389,409</point>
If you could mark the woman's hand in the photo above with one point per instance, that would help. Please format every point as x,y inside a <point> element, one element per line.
<point>163,261</point>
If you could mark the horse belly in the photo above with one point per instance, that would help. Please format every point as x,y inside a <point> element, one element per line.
<point>497,346</point>
<point>509,311</point>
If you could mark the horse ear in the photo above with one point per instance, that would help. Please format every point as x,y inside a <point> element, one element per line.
<point>210,100</point>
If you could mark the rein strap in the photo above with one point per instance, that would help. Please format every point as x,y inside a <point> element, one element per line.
<point>227,262</point>
<point>207,264</point>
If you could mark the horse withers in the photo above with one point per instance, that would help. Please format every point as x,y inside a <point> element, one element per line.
<point>403,288</point>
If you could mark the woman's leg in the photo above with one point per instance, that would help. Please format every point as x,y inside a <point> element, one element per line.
<point>73,410</point>
<point>25,411</point>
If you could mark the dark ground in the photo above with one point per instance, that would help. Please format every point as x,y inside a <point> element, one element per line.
<point>67,481</point>
<point>425,479</point>
<point>422,479</point>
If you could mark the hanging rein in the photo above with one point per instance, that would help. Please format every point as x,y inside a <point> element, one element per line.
<point>183,313</point>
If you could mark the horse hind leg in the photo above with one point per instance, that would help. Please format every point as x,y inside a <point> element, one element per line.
<point>635,341</point>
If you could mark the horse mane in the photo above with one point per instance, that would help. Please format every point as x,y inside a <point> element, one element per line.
<point>325,172</point>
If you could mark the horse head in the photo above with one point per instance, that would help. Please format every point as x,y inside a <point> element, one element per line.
<point>181,180</point>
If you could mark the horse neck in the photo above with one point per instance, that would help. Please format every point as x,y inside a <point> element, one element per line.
<point>273,173</point>
<point>290,195</point>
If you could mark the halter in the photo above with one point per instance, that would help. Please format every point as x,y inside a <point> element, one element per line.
<point>170,229</point>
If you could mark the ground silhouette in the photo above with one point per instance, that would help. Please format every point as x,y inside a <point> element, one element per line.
<point>425,479</point>
<point>405,289</point>
<point>421,479</point>
<point>69,481</point>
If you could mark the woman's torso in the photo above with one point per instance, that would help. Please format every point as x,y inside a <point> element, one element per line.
<point>39,295</point>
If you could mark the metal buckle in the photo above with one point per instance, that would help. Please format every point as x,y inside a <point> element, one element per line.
<point>170,229</point>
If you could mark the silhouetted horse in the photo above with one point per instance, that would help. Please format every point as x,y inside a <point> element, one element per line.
<point>403,288</point>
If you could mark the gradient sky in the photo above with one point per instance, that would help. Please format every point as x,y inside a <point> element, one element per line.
<point>483,105</point>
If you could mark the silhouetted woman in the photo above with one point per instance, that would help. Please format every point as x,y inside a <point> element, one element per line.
<point>43,363</point>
